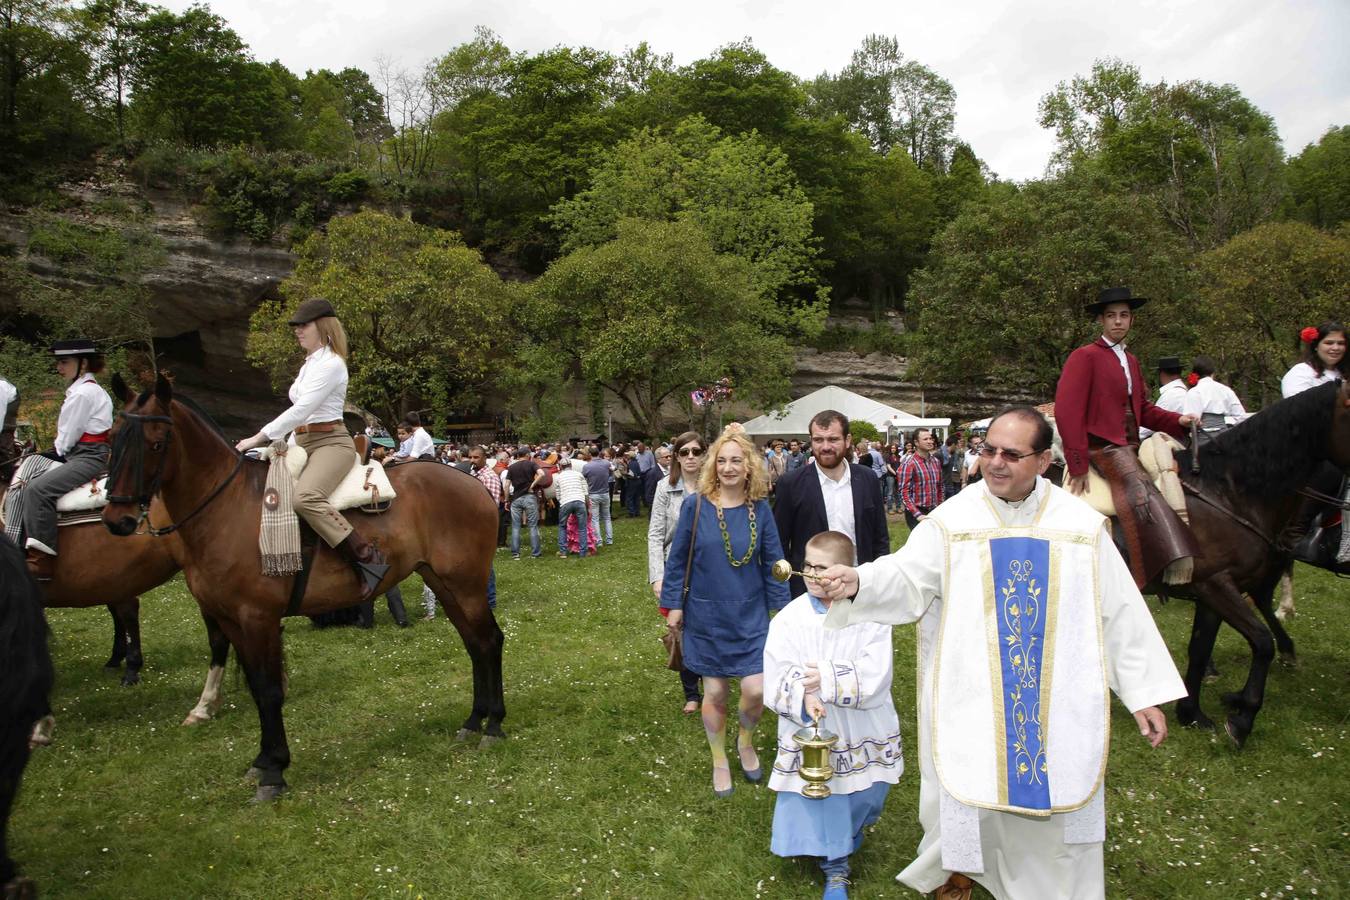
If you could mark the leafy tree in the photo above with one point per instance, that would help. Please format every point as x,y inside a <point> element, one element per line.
<point>1204,154</point>
<point>43,72</point>
<point>655,313</point>
<point>893,102</point>
<point>106,267</point>
<point>196,83</point>
<point>112,31</point>
<point>739,191</point>
<point>424,315</point>
<point>1002,293</point>
<point>736,89</point>
<point>1085,112</point>
<point>1319,180</point>
<point>1259,290</point>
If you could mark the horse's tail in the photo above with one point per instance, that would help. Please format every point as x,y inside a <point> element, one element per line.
<point>26,678</point>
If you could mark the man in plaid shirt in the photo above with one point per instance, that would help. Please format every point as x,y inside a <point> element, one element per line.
<point>921,479</point>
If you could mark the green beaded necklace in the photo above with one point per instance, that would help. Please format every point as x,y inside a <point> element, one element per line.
<point>726,538</point>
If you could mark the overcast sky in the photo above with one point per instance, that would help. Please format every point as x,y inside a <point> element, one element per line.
<point>1288,57</point>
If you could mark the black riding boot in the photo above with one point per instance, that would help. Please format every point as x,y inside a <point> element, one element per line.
<point>367,560</point>
<point>365,614</point>
<point>394,597</point>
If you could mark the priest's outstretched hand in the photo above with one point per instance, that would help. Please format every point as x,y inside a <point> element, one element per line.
<point>1152,724</point>
<point>837,583</point>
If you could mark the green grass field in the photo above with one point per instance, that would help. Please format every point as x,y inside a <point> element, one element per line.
<point>603,786</point>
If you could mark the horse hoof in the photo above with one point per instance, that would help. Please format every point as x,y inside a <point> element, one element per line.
<point>1235,734</point>
<point>253,774</point>
<point>1289,660</point>
<point>465,734</point>
<point>267,793</point>
<point>20,888</point>
<point>1200,722</point>
<point>490,739</point>
<point>131,679</point>
<point>194,718</point>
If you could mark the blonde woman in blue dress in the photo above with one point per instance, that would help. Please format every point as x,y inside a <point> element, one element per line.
<point>725,615</point>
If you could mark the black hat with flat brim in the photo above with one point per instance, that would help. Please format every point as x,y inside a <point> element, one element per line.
<point>310,310</point>
<point>1113,295</point>
<point>75,347</point>
<point>1169,364</point>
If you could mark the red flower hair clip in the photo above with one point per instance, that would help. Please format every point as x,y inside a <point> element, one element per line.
<point>1192,379</point>
<point>1308,335</point>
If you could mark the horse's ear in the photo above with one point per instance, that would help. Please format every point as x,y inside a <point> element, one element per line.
<point>121,390</point>
<point>163,389</point>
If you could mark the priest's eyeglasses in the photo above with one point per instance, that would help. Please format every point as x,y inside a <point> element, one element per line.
<point>987,451</point>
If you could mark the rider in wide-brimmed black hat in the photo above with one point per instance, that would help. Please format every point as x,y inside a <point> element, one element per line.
<point>1100,406</point>
<point>81,444</point>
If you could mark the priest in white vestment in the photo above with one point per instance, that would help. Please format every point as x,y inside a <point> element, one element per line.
<point>1027,616</point>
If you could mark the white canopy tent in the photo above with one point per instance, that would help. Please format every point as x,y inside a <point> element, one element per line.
<point>792,422</point>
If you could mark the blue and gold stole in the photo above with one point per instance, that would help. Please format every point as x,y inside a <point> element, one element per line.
<point>1021,575</point>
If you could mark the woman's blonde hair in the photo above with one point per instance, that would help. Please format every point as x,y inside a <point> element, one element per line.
<point>757,476</point>
<point>332,333</point>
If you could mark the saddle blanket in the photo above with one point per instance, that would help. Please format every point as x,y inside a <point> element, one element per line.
<point>365,484</point>
<point>1156,456</point>
<point>89,496</point>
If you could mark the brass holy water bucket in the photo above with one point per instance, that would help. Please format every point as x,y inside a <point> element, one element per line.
<point>815,770</point>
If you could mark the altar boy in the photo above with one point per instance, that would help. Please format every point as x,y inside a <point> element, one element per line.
<point>842,678</point>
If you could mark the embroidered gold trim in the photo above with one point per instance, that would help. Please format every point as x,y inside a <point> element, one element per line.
<point>995,653</point>
<point>1048,649</point>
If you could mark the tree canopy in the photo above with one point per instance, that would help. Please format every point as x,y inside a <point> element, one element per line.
<point>655,312</point>
<point>423,314</point>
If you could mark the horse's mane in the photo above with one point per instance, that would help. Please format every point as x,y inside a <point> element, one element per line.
<point>1272,453</point>
<point>195,409</point>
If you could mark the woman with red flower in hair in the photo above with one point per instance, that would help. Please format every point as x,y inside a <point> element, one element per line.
<point>1323,353</point>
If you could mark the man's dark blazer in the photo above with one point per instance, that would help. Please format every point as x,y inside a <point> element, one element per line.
<point>650,479</point>
<point>799,512</point>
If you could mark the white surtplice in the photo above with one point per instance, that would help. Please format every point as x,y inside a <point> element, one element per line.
<point>1027,615</point>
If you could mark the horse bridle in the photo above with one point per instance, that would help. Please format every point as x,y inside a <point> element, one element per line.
<point>129,449</point>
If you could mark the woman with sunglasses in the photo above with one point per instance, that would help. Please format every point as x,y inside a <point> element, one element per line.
<point>690,451</point>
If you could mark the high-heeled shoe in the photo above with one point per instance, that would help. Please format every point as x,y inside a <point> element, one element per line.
<point>731,787</point>
<point>755,775</point>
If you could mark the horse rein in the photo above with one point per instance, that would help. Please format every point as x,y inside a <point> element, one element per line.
<point>144,492</point>
<point>1205,498</point>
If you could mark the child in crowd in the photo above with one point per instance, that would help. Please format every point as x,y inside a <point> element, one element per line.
<point>843,676</point>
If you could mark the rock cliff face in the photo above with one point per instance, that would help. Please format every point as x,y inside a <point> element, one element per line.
<point>884,379</point>
<point>202,298</point>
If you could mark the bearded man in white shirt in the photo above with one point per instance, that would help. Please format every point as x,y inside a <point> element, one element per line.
<point>1027,616</point>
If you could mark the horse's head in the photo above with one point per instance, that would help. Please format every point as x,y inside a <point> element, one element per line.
<point>141,459</point>
<point>1339,451</point>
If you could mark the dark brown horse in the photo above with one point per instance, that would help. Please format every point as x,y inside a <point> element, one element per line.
<point>443,524</point>
<point>25,683</point>
<point>1246,492</point>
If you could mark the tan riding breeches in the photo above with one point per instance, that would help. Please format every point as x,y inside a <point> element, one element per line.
<point>331,456</point>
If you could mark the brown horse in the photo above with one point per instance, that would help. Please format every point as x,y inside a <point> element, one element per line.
<point>95,569</point>
<point>443,524</point>
<point>1246,492</point>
